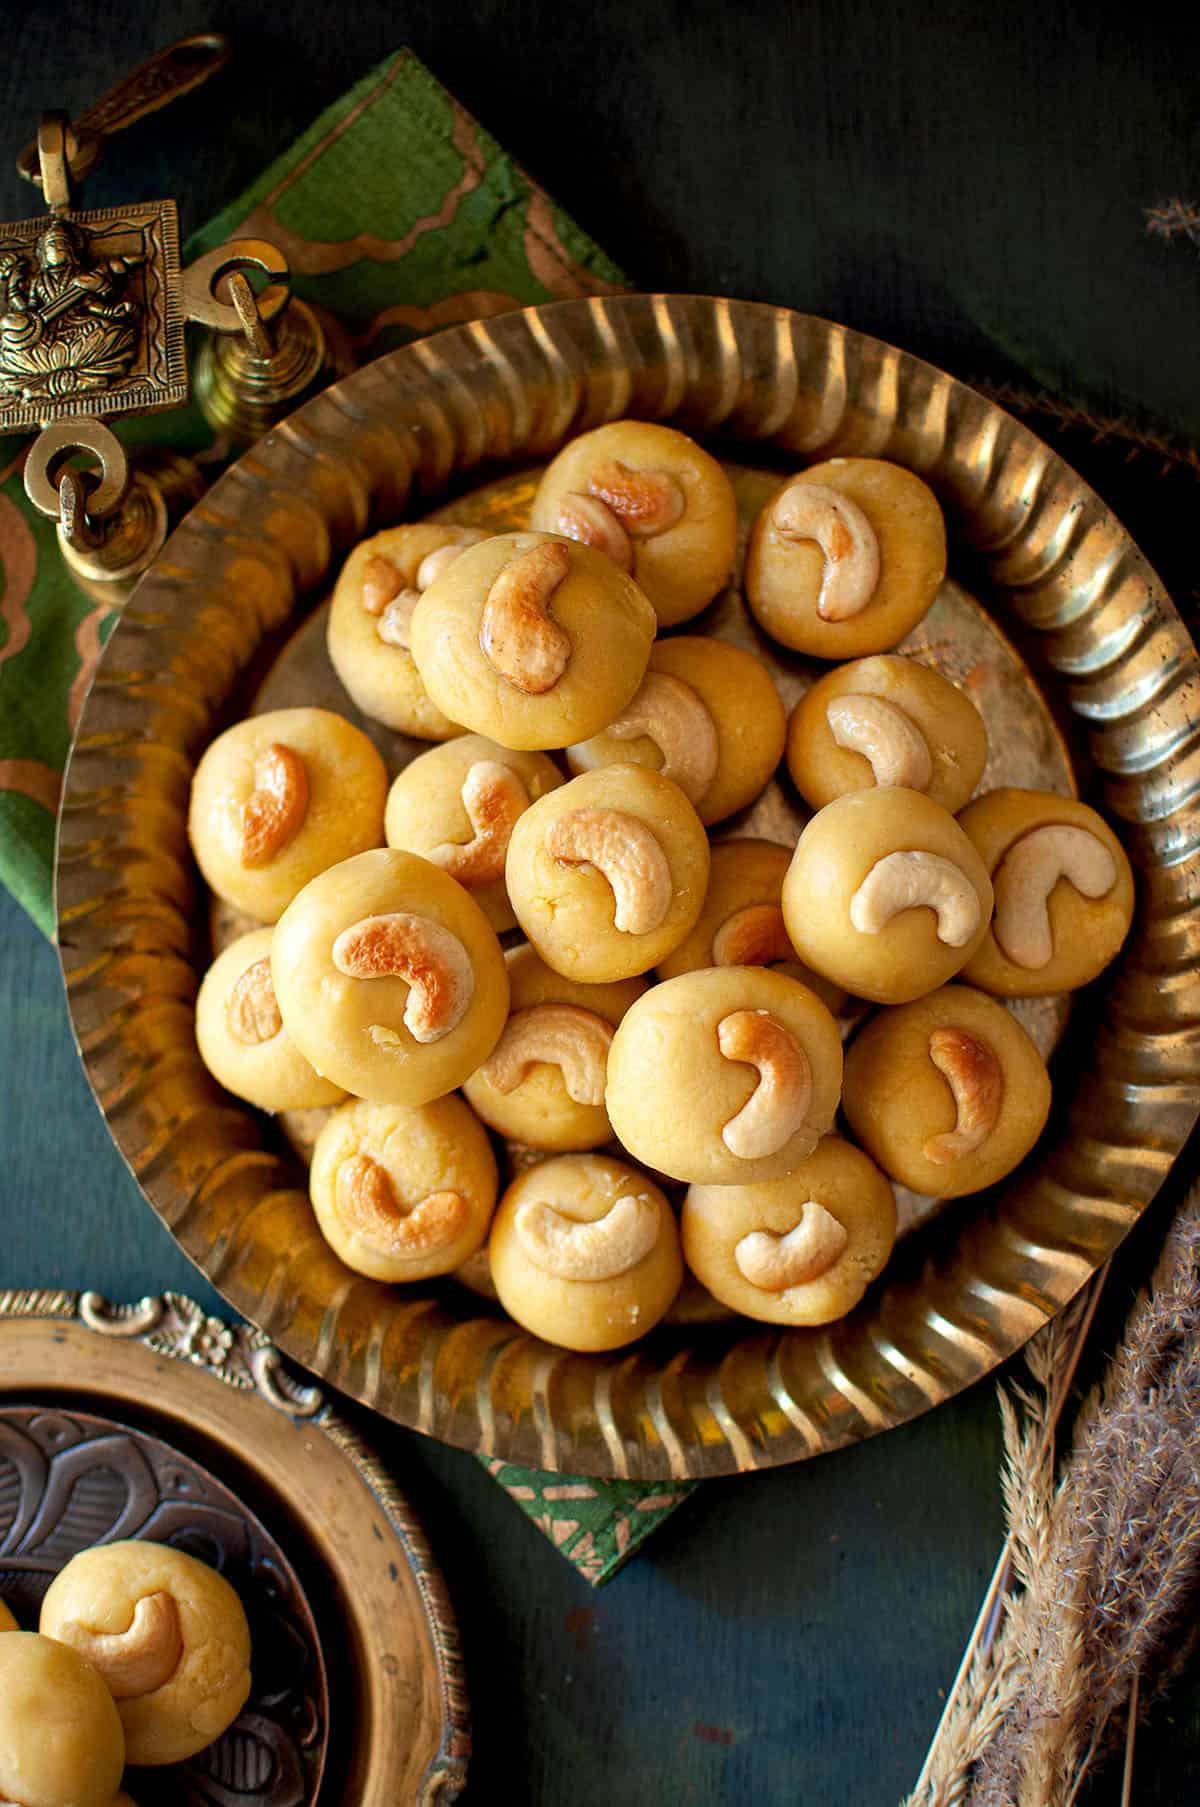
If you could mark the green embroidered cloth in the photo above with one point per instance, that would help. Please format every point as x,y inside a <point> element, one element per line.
<point>400,214</point>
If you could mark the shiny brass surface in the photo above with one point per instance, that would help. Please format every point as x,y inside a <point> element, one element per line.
<point>399,1725</point>
<point>1030,540</point>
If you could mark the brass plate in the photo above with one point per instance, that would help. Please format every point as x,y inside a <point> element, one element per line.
<point>1037,546</point>
<point>220,1398</point>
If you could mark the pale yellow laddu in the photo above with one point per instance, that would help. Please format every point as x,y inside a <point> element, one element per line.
<point>241,1037</point>
<point>278,798</point>
<point>61,1739</point>
<point>654,502</point>
<point>168,1635</point>
<point>948,1093</point>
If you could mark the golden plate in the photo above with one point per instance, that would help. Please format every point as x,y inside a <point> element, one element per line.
<point>1064,581</point>
<point>398,1722</point>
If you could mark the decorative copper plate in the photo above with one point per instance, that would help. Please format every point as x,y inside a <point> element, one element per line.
<point>1029,539</point>
<point>155,1421</point>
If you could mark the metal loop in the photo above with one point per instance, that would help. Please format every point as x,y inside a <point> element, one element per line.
<point>200,280</point>
<point>60,441</point>
<point>54,151</point>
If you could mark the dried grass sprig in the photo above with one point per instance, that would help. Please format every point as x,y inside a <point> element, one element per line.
<point>1174,219</point>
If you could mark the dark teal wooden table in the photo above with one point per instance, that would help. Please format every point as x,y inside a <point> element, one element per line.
<point>965,182</point>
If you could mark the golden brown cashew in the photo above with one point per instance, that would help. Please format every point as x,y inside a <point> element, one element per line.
<point>777,1107</point>
<point>1028,874</point>
<point>381,580</point>
<point>562,1035</point>
<point>571,1250</point>
<point>976,1078</point>
<point>625,850</point>
<point>585,519</point>
<point>518,637</point>
<point>752,937</point>
<point>804,1253</point>
<point>885,736</point>
<point>433,963</point>
<point>138,1660</point>
<point>912,880</point>
<point>812,511</point>
<point>274,812</point>
<point>668,712</point>
<point>646,503</point>
<point>367,1205</point>
<point>493,797</point>
<point>251,1012</point>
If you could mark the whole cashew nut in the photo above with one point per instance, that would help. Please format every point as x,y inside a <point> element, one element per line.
<point>571,1250</point>
<point>561,1035</point>
<point>626,851</point>
<point>493,797</point>
<point>589,521</point>
<point>813,511</point>
<point>138,1660</point>
<point>251,1012</point>
<point>774,1263</point>
<point>367,1205</point>
<point>754,936</point>
<point>912,880</point>
<point>273,814</point>
<point>646,503</point>
<point>669,712</point>
<point>434,563</point>
<point>777,1107</point>
<point>518,637</point>
<point>394,626</point>
<point>381,581</point>
<point>1028,874</point>
<point>433,963</point>
<point>888,738</point>
<point>384,593</point>
<point>976,1079</point>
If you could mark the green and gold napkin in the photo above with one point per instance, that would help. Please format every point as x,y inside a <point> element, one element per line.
<point>398,213</point>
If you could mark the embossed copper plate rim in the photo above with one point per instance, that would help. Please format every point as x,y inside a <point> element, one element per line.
<point>178,1374</point>
<point>1059,571</point>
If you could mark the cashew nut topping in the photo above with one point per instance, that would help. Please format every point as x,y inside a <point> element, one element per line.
<point>908,881</point>
<point>367,1205</point>
<point>778,1105</point>
<point>585,519</point>
<point>493,797</point>
<point>434,563</point>
<point>774,1263</point>
<point>626,851</point>
<point>976,1078</point>
<point>274,812</point>
<point>251,1012</point>
<point>896,748</point>
<point>562,1035</point>
<point>381,580</point>
<point>433,963</point>
<point>668,712</point>
<point>646,503</point>
<point>141,1658</point>
<point>571,1250</point>
<point>1028,874</point>
<point>752,937</point>
<point>517,635</point>
<point>394,626</point>
<point>812,511</point>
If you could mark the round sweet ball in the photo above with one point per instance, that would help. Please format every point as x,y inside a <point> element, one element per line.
<point>886,895</point>
<point>278,798</point>
<point>707,715</point>
<point>241,1036</point>
<point>846,558</point>
<point>370,619</point>
<point>607,874</point>
<point>404,1193</point>
<point>741,922</point>
<point>390,978</point>
<point>1064,892</point>
<point>457,805</point>
<point>584,1252</point>
<point>725,1076</point>
<point>543,1083</point>
<point>885,721</point>
<point>168,1636</point>
<point>800,1250</point>
<point>655,502</point>
<point>532,640</point>
<point>948,1093</point>
<point>61,1741</point>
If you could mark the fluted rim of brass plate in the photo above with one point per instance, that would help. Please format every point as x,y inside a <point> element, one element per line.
<point>1058,569</point>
